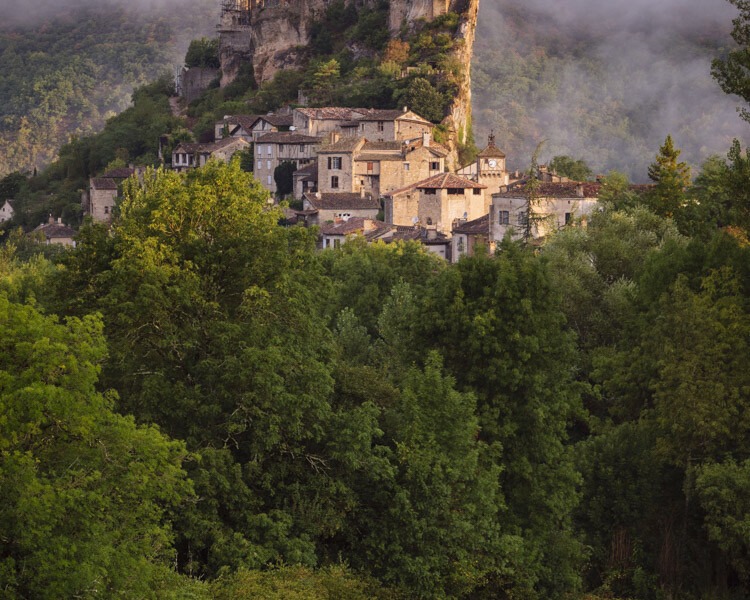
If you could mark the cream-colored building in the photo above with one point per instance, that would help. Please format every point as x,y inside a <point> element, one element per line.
<point>189,156</point>
<point>355,164</point>
<point>467,235</point>
<point>6,211</point>
<point>103,193</point>
<point>437,201</point>
<point>54,232</point>
<point>554,206</point>
<point>374,124</point>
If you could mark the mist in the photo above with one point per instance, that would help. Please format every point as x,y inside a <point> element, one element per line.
<point>615,79</point>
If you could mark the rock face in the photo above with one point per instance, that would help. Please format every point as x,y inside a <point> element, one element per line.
<point>269,33</point>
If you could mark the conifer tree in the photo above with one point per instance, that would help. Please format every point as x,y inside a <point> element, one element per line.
<point>671,178</point>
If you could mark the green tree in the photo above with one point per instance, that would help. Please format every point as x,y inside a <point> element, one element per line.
<point>283,175</point>
<point>577,170</point>
<point>424,99</point>
<point>203,53</point>
<point>671,178</point>
<point>85,491</point>
<point>325,81</point>
<point>732,70</point>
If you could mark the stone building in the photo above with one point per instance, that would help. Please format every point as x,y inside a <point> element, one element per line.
<point>467,235</point>
<point>189,155</point>
<point>104,192</point>
<point>319,208</point>
<point>555,205</point>
<point>437,201</point>
<point>275,148</point>
<point>6,211</point>
<point>54,232</point>
<point>251,127</point>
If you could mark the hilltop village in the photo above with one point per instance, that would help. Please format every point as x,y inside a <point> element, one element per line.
<point>375,173</point>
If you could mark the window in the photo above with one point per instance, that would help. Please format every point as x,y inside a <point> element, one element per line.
<point>429,220</point>
<point>106,210</point>
<point>268,180</point>
<point>260,165</point>
<point>301,147</point>
<point>268,165</point>
<point>429,192</point>
<point>268,149</point>
<point>334,162</point>
<point>281,148</point>
<point>477,192</point>
<point>369,166</point>
<point>568,218</point>
<point>455,191</point>
<point>381,126</point>
<point>461,246</point>
<point>334,182</point>
<point>503,217</point>
<point>406,166</point>
<point>434,166</point>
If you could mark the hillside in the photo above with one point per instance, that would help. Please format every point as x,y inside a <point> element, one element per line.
<point>603,83</point>
<point>64,71</point>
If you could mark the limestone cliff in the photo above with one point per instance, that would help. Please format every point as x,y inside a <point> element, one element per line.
<point>271,35</point>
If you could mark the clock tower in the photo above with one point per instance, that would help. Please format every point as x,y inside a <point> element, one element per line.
<point>491,166</point>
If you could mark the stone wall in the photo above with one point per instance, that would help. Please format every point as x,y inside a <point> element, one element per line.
<point>195,81</point>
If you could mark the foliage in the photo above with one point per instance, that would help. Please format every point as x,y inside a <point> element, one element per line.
<point>283,176</point>
<point>671,178</point>
<point>203,52</point>
<point>564,165</point>
<point>731,71</point>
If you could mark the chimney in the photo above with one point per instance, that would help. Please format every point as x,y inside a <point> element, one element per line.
<point>59,220</point>
<point>51,219</point>
<point>406,109</point>
<point>579,190</point>
<point>426,139</point>
<point>317,195</point>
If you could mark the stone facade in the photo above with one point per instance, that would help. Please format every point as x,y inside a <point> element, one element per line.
<point>272,149</point>
<point>189,156</point>
<point>6,211</point>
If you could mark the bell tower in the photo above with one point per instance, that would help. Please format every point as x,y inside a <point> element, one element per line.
<point>491,166</point>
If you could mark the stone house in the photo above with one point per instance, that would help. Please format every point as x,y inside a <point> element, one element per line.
<point>354,164</point>
<point>189,155</point>
<point>322,207</point>
<point>305,179</point>
<point>236,126</point>
<point>320,121</point>
<point>556,205</point>
<point>6,211</point>
<point>104,192</point>
<point>373,124</point>
<point>272,149</point>
<point>467,235</point>
<point>333,235</point>
<point>438,201</point>
<point>55,232</point>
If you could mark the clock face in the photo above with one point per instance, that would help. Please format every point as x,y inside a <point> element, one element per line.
<point>493,162</point>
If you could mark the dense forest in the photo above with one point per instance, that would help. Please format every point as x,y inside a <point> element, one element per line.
<point>63,73</point>
<point>196,403</point>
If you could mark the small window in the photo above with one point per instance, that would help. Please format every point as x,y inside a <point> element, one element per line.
<point>334,162</point>
<point>568,218</point>
<point>268,180</point>
<point>434,166</point>
<point>429,220</point>
<point>429,192</point>
<point>260,165</point>
<point>106,210</point>
<point>503,217</point>
<point>455,191</point>
<point>334,182</point>
<point>369,166</point>
<point>281,148</point>
<point>301,147</point>
<point>381,126</point>
<point>477,192</point>
<point>406,166</point>
<point>461,246</point>
<point>268,149</point>
<point>268,164</point>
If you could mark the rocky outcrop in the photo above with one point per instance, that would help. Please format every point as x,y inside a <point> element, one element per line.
<point>269,34</point>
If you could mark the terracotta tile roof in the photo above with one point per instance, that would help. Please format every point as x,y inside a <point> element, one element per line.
<point>448,181</point>
<point>480,226</point>
<point>287,137</point>
<point>491,150</point>
<point>390,145</point>
<point>345,144</point>
<point>336,113</point>
<point>342,201</point>
<point>103,183</point>
<point>567,189</point>
<point>417,233</point>
<point>354,225</point>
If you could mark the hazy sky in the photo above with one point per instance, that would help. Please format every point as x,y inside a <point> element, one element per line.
<point>652,63</point>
